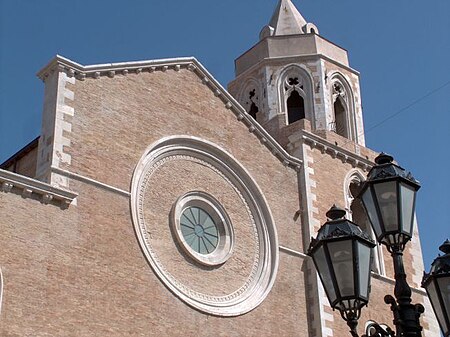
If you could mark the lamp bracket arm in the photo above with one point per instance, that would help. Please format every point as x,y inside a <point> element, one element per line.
<point>406,317</point>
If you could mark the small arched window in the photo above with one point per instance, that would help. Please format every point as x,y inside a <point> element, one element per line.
<point>295,107</point>
<point>342,118</point>
<point>296,94</point>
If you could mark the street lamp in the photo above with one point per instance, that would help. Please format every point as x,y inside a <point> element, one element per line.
<point>388,196</point>
<point>341,254</point>
<point>437,284</point>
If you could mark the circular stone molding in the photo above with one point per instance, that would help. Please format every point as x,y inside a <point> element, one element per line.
<point>229,276</point>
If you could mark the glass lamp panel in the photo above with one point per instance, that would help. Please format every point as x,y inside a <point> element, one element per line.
<point>444,288</point>
<point>341,253</point>
<point>432,293</point>
<point>325,273</point>
<point>371,210</point>
<point>364,264</point>
<point>407,207</point>
<point>386,194</point>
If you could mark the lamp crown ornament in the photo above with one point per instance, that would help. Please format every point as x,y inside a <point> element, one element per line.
<point>441,264</point>
<point>336,213</point>
<point>445,247</point>
<point>384,158</point>
<point>386,168</point>
<point>338,226</point>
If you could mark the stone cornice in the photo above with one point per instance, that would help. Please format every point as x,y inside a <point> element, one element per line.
<point>335,151</point>
<point>29,187</point>
<point>81,72</point>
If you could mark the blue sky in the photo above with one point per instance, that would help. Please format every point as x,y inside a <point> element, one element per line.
<point>400,47</point>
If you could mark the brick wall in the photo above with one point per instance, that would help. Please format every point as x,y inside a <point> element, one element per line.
<point>81,272</point>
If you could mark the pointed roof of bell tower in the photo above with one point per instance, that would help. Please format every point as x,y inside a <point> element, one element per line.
<point>286,20</point>
<point>289,35</point>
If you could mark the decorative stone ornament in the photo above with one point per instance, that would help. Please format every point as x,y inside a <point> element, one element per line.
<point>389,197</point>
<point>342,254</point>
<point>338,90</point>
<point>437,285</point>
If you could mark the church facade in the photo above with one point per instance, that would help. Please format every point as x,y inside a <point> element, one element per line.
<point>157,203</point>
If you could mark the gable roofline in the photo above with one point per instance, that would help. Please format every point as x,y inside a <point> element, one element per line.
<point>81,72</point>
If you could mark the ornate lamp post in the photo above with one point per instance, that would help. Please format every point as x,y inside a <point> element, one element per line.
<point>388,196</point>
<point>437,284</point>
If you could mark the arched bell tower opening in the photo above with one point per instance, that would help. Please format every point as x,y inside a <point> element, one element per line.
<point>343,107</point>
<point>340,116</point>
<point>295,94</point>
<point>295,107</point>
<point>250,98</point>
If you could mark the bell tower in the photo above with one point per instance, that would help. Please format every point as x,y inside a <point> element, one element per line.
<point>294,78</point>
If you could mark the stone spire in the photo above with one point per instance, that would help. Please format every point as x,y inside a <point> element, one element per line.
<point>286,20</point>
